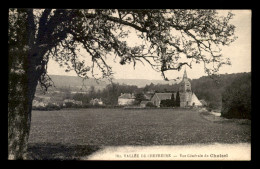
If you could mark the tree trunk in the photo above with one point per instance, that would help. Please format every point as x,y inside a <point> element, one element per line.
<point>21,89</point>
<point>24,56</point>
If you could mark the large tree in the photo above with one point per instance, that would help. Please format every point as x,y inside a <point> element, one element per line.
<point>167,37</point>
<point>236,98</point>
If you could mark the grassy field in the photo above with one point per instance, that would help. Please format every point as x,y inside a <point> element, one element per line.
<point>82,131</point>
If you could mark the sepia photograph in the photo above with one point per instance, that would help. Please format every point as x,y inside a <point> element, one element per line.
<point>129,84</point>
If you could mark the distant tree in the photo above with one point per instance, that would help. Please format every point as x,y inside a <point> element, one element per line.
<point>236,99</point>
<point>99,93</point>
<point>139,97</point>
<point>173,100</point>
<point>146,88</point>
<point>67,95</point>
<point>163,103</point>
<point>212,94</point>
<point>69,104</point>
<point>111,94</point>
<point>81,97</point>
<point>36,35</point>
<point>150,104</point>
<point>166,103</point>
<point>177,101</point>
<point>92,91</point>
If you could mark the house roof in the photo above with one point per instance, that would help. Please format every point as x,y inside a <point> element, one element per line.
<point>163,96</point>
<point>148,96</point>
<point>126,96</point>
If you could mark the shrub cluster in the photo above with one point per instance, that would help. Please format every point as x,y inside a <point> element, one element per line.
<point>236,99</point>
<point>48,107</point>
<point>150,104</point>
<point>167,103</point>
<point>93,106</point>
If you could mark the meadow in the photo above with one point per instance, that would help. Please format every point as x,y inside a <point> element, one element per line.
<point>71,133</point>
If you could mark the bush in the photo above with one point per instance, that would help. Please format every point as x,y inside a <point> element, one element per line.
<point>48,107</point>
<point>214,104</point>
<point>150,104</point>
<point>163,103</point>
<point>236,99</point>
<point>51,106</point>
<point>69,104</point>
<point>167,103</point>
<point>93,106</point>
<point>38,108</point>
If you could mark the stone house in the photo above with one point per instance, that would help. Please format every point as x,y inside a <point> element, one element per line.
<point>37,103</point>
<point>126,99</point>
<point>96,101</point>
<point>71,101</point>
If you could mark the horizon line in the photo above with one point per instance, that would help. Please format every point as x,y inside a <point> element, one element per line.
<point>147,79</point>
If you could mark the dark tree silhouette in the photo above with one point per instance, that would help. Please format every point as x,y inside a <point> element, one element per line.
<point>35,35</point>
<point>139,97</point>
<point>236,99</point>
<point>172,100</point>
<point>177,101</point>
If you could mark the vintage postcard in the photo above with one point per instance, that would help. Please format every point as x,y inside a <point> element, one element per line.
<point>121,84</point>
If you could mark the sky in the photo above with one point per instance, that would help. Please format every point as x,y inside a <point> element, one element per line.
<point>239,53</point>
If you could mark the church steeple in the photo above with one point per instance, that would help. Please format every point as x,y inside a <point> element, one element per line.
<point>185,74</point>
<point>185,85</point>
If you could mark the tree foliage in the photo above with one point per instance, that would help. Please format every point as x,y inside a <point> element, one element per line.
<point>139,97</point>
<point>212,94</point>
<point>178,100</point>
<point>82,97</point>
<point>169,35</point>
<point>110,94</point>
<point>173,101</point>
<point>236,99</point>
<point>166,103</point>
<point>150,104</point>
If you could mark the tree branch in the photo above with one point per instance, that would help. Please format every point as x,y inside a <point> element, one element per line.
<point>42,25</point>
<point>118,20</point>
<point>31,27</point>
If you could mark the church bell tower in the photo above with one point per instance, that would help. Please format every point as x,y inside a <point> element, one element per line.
<point>185,91</point>
<point>185,85</point>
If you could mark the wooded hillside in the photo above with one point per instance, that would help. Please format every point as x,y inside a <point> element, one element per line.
<point>207,88</point>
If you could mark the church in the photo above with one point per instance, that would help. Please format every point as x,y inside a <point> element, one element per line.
<point>187,97</point>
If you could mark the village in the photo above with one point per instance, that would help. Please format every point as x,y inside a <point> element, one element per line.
<point>184,97</point>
